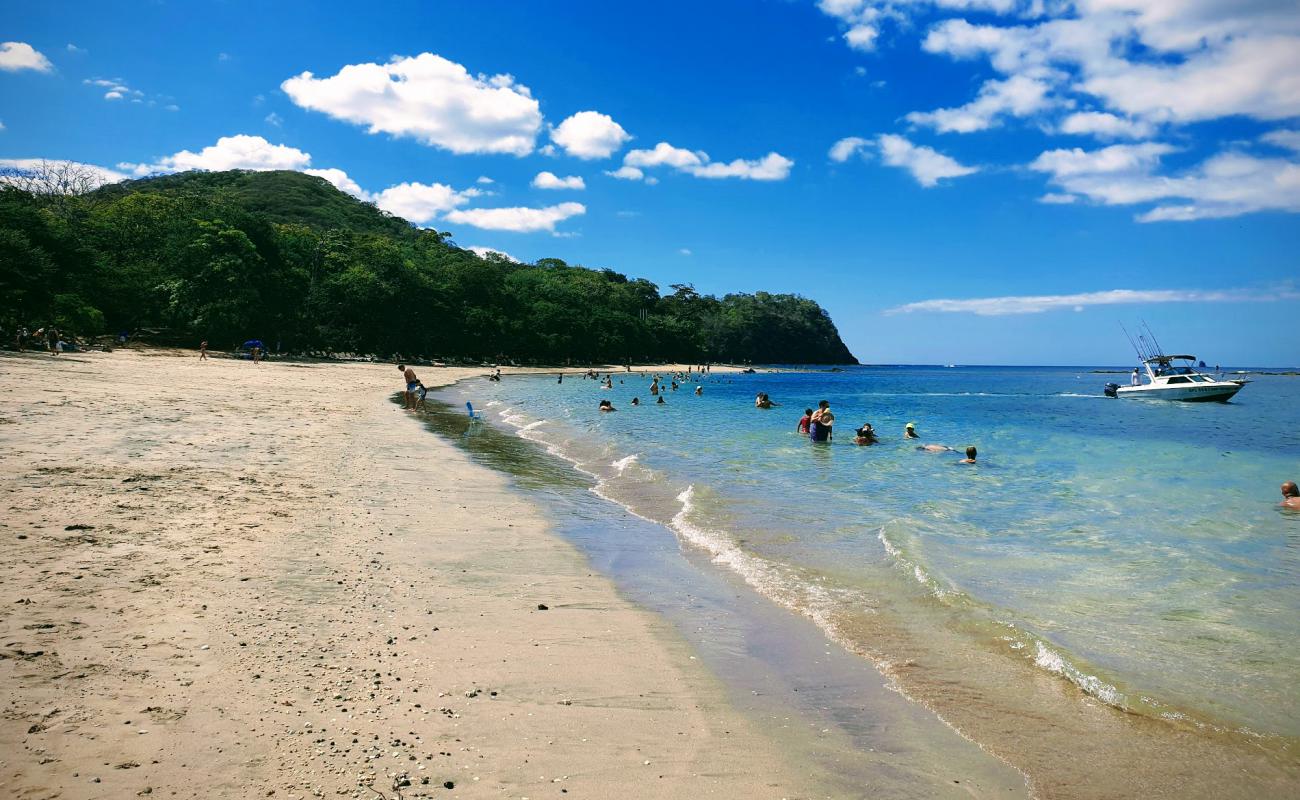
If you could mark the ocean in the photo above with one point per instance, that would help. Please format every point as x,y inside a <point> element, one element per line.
<point>1112,575</point>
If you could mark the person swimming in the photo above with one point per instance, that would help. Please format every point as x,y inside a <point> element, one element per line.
<point>970,456</point>
<point>636,401</point>
<point>909,432</point>
<point>660,401</point>
<point>761,400</point>
<point>699,391</point>
<point>865,436</point>
<point>936,448</point>
<point>605,406</point>
<point>1290,495</point>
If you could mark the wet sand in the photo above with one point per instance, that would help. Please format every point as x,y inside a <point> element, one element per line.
<point>223,580</point>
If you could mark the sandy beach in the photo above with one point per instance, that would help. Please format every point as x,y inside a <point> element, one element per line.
<point>223,580</point>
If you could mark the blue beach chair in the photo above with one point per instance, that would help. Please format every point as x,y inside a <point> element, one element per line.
<point>474,416</point>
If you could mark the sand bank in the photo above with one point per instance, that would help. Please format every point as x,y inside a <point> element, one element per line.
<point>222,580</point>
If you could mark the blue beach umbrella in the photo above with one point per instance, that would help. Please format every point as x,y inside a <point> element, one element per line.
<point>251,343</point>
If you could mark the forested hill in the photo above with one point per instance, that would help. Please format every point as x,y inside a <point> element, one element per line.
<point>287,258</point>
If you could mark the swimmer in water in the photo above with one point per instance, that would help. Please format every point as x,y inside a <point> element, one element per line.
<point>606,406</point>
<point>970,456</point>
<point>660,401</point>
<point>909,432</point>
<point>699,391</point>
<point>936,448</point>
<point>636,401</point>
<point>1291,495</point>
<point>821,424</point>
<point>865,436</point>
<point>804,422</point>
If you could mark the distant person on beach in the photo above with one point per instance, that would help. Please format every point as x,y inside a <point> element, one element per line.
<point>413,385</point>
<point>804,422</point>
<point>52,339</point>
<point>606,406</point>
<point>909,432</point>
<point>203,350</point>
<point>865,436</point>
<point>821,423</point>
<point>20,338</point>
<point>257,354</point>
<point>1290,495</point>
<point>970,456</point>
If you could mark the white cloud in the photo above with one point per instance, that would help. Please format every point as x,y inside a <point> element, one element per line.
<point>926,164</point>
<point>771,167</point>
<point>2,126</point>
<point>230,152</point>
<point>626,173</point>
<point>274,119</point>
<point>847,147</point>
<point>1228,184</point>
<point>428,98</point>
<point>685,251</point>
<point>117,89</point>
<point>483,252</point>
<point>72,48</point>
<point>1058,199</point>
<point>484,180</point>
<point>664,154</point>
<point>341,181</point>
<point>98,175</point>
<point>1037,304</point>
<point>1019,96</point>
<point>522,220</point>
<point>16,56</point>
<point>1287,140</point>
<point>589,135</point>
<point>1105,125</point>
<point>549,180</point>
<point>421,202</point>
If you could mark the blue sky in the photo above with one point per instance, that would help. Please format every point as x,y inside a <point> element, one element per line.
<point>956,181</point>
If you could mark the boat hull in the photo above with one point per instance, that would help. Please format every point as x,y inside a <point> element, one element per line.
<point>1219,392</point>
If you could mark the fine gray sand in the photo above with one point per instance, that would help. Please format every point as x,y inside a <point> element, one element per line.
<point>222,580</point>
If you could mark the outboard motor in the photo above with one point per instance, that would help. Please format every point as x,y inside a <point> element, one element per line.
<point>1112,390</point>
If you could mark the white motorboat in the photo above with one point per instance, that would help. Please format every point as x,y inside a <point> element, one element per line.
<point>1172,377</point>
<point>1176,378</point>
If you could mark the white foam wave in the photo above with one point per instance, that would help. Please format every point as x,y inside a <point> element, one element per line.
<point>623,463</point>
<point>1052,661</point>
<point>532,425</point>
<point>492,403</point>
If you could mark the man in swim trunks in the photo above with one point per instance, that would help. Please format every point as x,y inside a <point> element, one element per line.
<point>1290,495</point>
<point>413,387</point>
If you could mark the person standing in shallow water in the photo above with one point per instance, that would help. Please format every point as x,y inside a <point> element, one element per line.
<point>970,456</point>
<point>820,427</point>
<point>412,386</point>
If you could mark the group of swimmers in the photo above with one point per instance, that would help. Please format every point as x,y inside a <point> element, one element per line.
<point>819,426</point>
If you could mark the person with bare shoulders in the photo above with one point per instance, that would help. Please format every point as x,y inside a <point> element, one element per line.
<point>970,456</point>
<point>821,424</point>
<point>606,406</point>
<point>1290,495</point>
<point>413,386</point>
<point>935,448</point>
<point>203,350</point>
<point>909,432</point>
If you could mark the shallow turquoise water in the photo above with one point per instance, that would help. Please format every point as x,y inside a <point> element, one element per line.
<point>1133,547</point>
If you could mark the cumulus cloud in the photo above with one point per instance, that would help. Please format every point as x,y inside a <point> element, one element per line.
<point>1037,304</point>
<point>1058,199</point>
<point>341,181</point>
<point>1105,125</point>
<point>927,165</point>
<point>846,148</point>
<point>549,180</point>
<point>771,167</point>
<point>14,170</point>
<point>1287,140</point>
<point>1018,96</point>
<point>230,152</point>
<point>484,252</point>
<point>421,202</point>
<point>16,56</point>
<point>430,99</point>
<point>1228,184</point>
<point>518,219</point>
<point>589,135</point>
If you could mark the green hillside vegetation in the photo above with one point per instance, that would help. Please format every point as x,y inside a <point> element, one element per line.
<point>287,258</point>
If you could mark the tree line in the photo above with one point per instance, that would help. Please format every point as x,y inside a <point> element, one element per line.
<point>287,258</point>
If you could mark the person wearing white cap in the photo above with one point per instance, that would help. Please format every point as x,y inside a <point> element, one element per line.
<point>910,431</point>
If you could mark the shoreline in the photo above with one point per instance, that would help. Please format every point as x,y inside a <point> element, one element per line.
<point>214,591</point>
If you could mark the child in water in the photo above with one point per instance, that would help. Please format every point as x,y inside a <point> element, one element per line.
<point>970,456</point>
